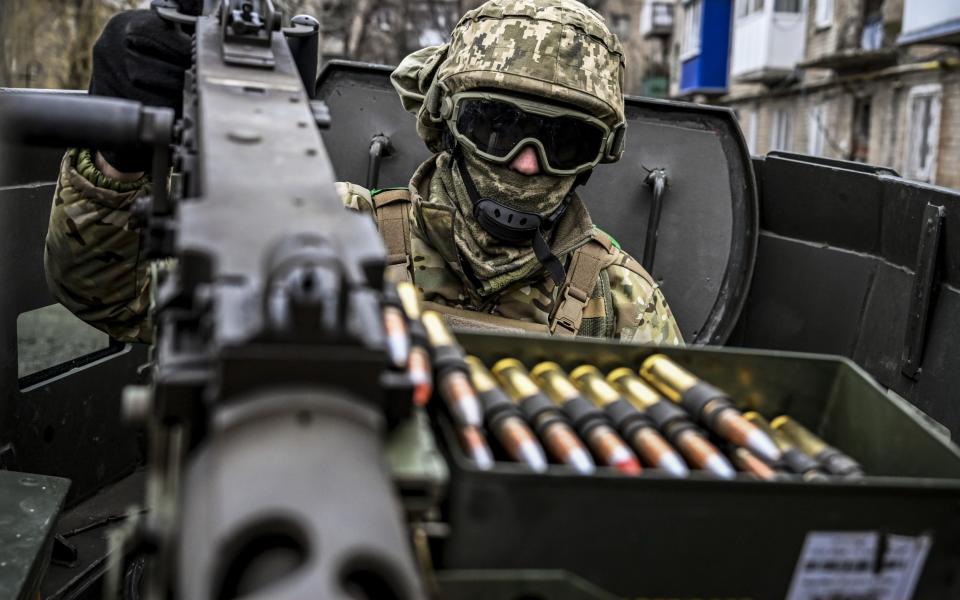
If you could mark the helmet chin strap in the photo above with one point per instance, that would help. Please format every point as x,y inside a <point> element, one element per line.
<point>513,226</point>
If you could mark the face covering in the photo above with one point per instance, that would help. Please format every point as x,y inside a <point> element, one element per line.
<point>494,263</point>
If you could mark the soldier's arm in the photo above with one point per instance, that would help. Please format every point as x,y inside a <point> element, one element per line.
<point>640,308</point>
<point>93,257</point>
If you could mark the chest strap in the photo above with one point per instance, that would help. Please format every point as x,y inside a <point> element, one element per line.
<point>582,276</point>
<point>461,319</point>
<point>392,208</point>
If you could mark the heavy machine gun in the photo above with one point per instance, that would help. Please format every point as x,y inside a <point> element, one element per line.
<point>271,391</point>
<point>273,385</point>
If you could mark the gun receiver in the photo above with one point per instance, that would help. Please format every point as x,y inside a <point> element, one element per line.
<point>272,382</point>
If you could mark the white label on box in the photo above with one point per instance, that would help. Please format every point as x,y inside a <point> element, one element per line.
<point>865,565</point>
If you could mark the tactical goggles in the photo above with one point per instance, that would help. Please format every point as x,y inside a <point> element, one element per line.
<point>497,127</point>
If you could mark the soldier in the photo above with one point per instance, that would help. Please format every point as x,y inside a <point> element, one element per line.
<point>519,106</point>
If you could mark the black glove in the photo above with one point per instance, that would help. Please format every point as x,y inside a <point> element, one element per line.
<point>139,56</point>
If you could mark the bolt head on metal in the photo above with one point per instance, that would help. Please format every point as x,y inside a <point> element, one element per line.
<point>137,403</point>
<point>307,20</point>
<point>244,136</point>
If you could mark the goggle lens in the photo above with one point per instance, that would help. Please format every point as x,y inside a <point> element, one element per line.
<point>497,127</point>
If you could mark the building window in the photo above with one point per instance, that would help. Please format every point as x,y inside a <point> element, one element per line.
<point>860,139</point>
<point>691,30</point>
<point>816,129</point>
<point>923,132</point>
<point>748,7</point>
<point>824,13</point>
<point>620,25</point>
<point>787,6</point>
<point>662,14</point>
<point>780,131</point>
<point>871,37</point>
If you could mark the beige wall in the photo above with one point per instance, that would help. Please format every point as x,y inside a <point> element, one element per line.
<point>842,30</point>
<point>948,167</point>
<point>889,121</point>
<point>639,52</point>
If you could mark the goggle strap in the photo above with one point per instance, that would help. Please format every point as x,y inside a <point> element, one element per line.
<point>548,259</point>
<point>472,192</point>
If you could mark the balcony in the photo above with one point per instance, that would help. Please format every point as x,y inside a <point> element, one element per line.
<point>873,52</point>
<point>768,40</point>
<point>705,47</point>
<point>656,19</point>
<point>930,22</point>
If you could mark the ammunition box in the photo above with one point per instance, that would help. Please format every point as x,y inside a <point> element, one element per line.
<point>656,536</point>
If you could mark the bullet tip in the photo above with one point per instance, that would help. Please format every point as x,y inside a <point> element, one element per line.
<point>760,444</point>
<point>483,461</point>
<point>421,394</point>
<point>533,456</point>
<point>629,466</point>
<point>720,467</point>
<point>674,465</point>
<point>581,461</point>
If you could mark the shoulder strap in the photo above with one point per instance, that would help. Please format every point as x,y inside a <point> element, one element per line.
<point>585,267</point>
<point>392,211</point>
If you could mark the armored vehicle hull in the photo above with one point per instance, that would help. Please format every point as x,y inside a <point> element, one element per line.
<point>780,253</point>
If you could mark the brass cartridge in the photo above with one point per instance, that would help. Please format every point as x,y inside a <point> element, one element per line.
<point>418,369</point>
<point>711,406</point>
<point>589,421</point>
<point>475,446</point>
<point>398,338</point>
<point>437,331</point>
<point>452,374</point>
<point>831,459</point>
<point>748,462</point>
<point>674,422</point>
<point>418,359</point>
<point>550,424</point>
<point>634,425</point>
<point>409,299</point>
<point>794,459</point>
<point>504,419</point>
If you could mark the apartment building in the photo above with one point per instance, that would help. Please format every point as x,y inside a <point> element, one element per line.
<point>875,81</point>
<point>644,28</point>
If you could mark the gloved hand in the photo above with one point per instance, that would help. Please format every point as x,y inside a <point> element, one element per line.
<point>139,56</point>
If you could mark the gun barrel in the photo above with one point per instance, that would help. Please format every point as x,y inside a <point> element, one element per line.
<point>63,120</point>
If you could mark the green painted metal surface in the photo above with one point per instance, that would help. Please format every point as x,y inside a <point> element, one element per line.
<point>29,505</point>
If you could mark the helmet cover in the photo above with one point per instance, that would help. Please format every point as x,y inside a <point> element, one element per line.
<point>559,50</point>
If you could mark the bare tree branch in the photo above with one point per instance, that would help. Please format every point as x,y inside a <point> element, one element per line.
<point>358,23</point>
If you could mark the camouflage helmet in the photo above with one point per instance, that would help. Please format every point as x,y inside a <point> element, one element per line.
<point>555,49</point>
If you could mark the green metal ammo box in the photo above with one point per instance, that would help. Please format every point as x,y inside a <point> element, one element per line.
<point>654,536</point>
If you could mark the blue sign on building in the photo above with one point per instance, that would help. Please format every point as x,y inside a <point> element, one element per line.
<point>705,46</point>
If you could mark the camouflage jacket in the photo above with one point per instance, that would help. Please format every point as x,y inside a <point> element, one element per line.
<point>95,267</point>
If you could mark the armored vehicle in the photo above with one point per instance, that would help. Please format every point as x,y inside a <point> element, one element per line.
<point>770,263</point>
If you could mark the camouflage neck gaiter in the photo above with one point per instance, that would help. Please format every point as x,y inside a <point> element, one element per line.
<point>494,263</point>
